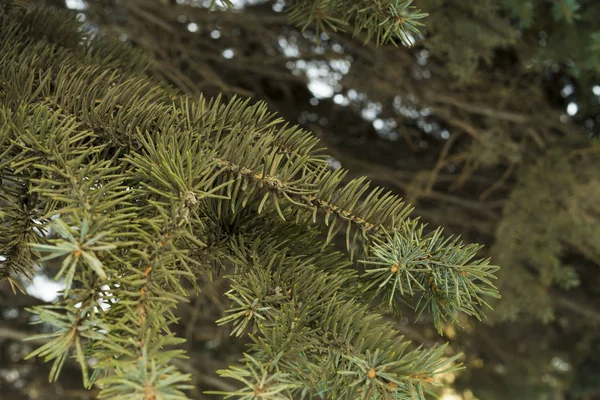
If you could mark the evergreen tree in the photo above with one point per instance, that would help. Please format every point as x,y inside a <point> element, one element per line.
<point>136,188</point>
<point>486,125</point>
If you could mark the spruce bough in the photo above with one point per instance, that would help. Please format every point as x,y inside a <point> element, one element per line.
<point>136,188</point>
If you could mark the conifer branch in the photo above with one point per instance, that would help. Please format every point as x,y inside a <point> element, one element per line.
<point>385,21</point>
<point>441,270</point>
<point>310,337</point>
<point>144,187</point>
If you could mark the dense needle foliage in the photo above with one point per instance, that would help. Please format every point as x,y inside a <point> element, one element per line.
<point>137,188</point>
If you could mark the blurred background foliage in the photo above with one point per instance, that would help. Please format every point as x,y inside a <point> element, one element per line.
<point>488,124</point>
